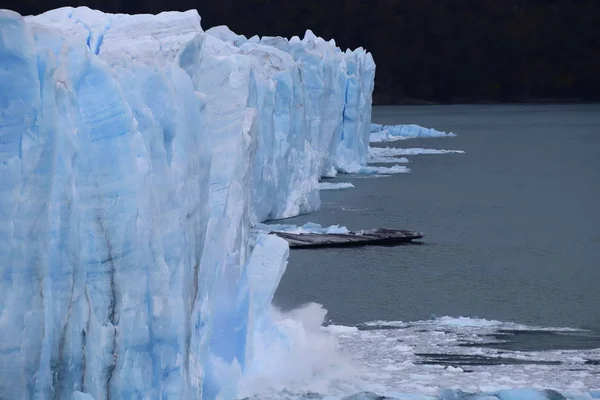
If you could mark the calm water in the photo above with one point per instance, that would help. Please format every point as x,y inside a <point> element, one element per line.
<point>513,225</point>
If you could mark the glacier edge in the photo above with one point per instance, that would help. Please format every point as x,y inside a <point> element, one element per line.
<point>136,152</point>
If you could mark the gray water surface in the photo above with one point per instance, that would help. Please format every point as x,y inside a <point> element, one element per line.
<point>513,225</point>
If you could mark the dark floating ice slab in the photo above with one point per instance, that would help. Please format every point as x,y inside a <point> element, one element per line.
<point>539,340</point>
<point>456,394</point>
<point>457,360</point>
<point>367,396</point>
<point>372,237</point>
<point>509,394</point>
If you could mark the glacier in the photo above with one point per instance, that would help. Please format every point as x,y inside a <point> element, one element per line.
<point>139,156</point>
<point>136,153</point>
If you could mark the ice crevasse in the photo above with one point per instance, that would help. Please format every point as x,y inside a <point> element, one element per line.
<point>135,154</point>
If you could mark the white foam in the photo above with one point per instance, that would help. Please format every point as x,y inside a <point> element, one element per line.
<point>299,356</point>
<point>385,360</point>
<point>340,329</point>
<point>467,322</point>
<point>464,322</point>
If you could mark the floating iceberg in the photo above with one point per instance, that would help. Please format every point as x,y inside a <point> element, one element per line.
<point>388,160</point>
<point>384,136</point>
<point>372,170</point>
<point>335,185</point>
<point>136,152</point>
<point>385,155</point>
<point>309,227</point>
<point>386,133</point>
<point>377,152</point>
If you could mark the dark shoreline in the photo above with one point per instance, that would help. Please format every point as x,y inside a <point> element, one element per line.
<point>533,100</point>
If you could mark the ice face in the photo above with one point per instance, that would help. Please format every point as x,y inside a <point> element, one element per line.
<point>106,209</point>
<point>135,152</point>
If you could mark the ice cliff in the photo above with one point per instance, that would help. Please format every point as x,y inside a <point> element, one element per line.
<point>135,154</point>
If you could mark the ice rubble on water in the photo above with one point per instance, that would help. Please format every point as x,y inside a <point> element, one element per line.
<point>457,394</point>
<point>390,154</point>
<point>376,152</point>
<point>335,185</point>
<point>390,133</point>
<point>135,153</point>
<point>309,227</point>
<point>393,360</point>
<point>395,351</point>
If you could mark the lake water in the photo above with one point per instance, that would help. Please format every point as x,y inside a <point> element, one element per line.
<point>512,226</point>
<point>512,243</point>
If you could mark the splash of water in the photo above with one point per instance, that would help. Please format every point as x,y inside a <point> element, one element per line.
<point>296,353</point>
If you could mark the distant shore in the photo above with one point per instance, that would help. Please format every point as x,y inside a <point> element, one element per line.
<point>387,100</point>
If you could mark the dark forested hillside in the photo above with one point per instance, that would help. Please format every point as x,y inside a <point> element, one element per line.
<point>425,50</point>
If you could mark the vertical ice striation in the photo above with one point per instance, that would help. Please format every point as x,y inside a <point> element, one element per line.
<point>314,105</point>
<point>350,148</point>
<point>135,153</point>
<point>108,213</point>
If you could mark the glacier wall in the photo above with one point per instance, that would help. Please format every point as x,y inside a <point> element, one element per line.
<point>135,154</point>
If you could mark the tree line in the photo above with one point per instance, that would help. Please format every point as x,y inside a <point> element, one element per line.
<point>425,50</point>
